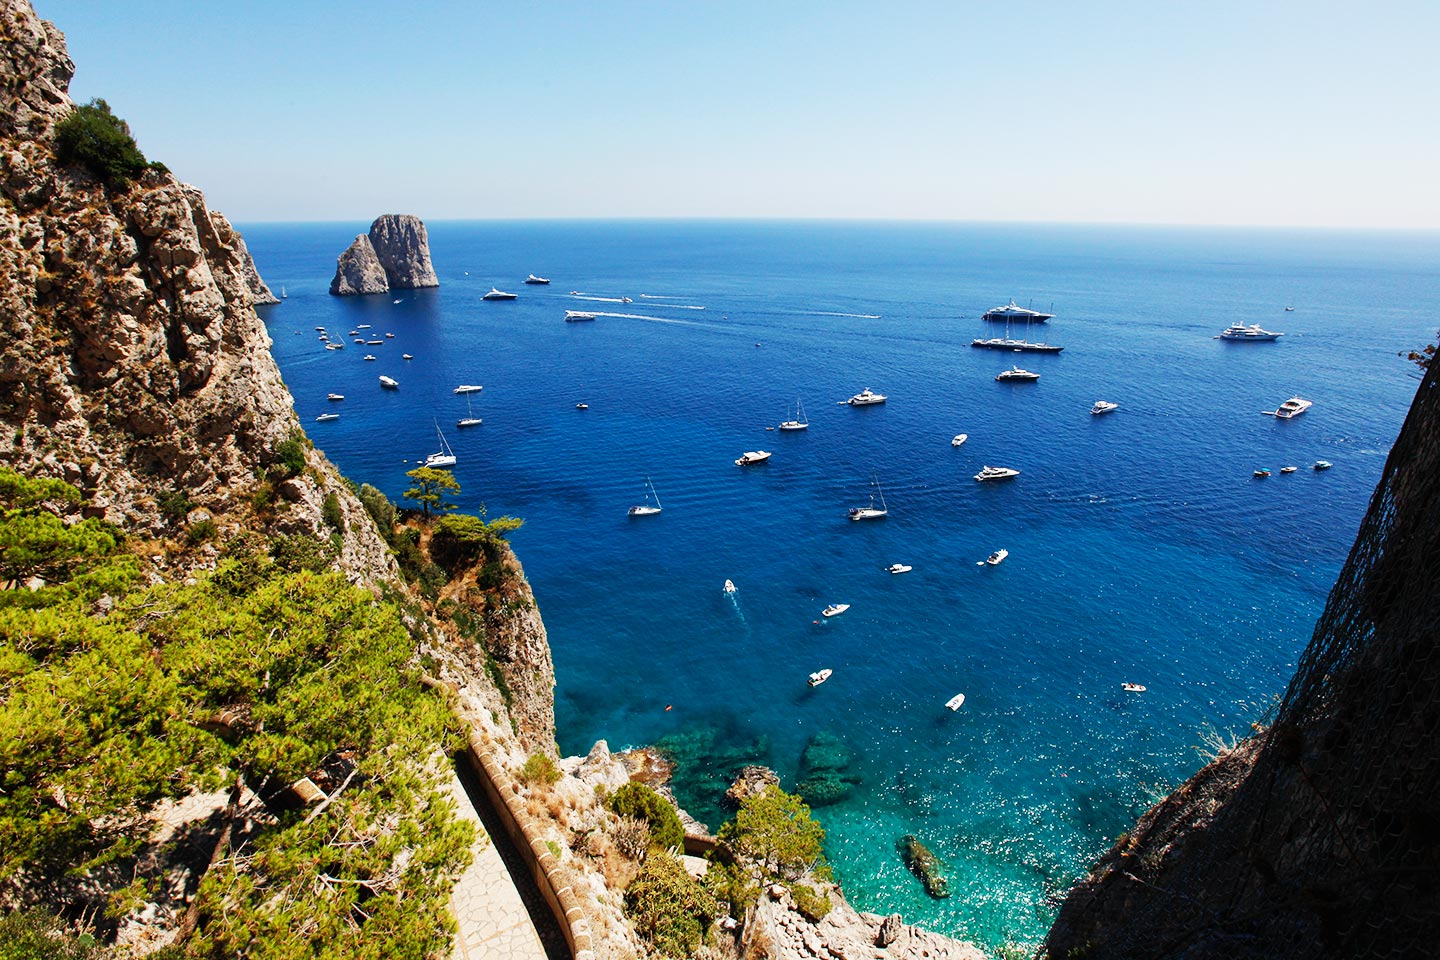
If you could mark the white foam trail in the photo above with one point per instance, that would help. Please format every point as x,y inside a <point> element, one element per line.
<point>658,296</point>
<point>641,316</point>
<point>586,296</point>
<point>823,313</point>
<point>677,306</point>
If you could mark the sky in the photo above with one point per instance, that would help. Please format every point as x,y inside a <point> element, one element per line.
<point>1249,113</point>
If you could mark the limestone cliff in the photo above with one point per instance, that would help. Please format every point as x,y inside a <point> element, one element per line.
<point>394,254</point>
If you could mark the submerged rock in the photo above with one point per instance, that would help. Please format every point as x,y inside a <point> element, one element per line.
<point>751,779</point>
<point>358,271</point>
<point>924,865</point>
<point>825,776</point>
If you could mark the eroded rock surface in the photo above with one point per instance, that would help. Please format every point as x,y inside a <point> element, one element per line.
<point>358,271</point>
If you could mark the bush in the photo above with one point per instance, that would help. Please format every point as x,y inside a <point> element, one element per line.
<point>201,531</point>
<point>811,905</point>
<point>637,800</point>
<point>330,512</point>
<point>733,884</point>
<point>174,505</point>
<point>669,908</point>
<point>290,454</point>
<point>293,553</point>
<point>539,769</point>
<point>381,510</point>
<point>774,829</point>
<point>34,934</point>
<point>93,136</point>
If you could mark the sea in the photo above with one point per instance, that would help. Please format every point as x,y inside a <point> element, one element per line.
<point>1142,548</point>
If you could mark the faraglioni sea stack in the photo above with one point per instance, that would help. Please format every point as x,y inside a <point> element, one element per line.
<point>394,255</point>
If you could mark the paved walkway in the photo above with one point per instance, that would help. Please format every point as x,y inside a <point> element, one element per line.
<point>492,916</point>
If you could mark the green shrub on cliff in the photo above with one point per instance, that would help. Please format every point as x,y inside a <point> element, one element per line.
<point>93,136</point>
<point>774,830</point>
<point>637,800</point>
<point>539,769</point>
<point>669,908</point>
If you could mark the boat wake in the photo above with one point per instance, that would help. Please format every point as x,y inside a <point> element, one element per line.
<point>677,306</point>
<point>586,296</point>
<point>826,313</point>
<point>658,296</point>
<point>641,316</point>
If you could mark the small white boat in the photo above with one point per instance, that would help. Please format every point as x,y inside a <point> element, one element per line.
<point>647,509</point>
<point>1293,408</point>
<point>283,295</point>
<point>354,333</point>
<point>374,343</point>
<point>389,383</point>
<point>1323,465</point>
<point>1288,469</point>
<point>1262,472</point>
<point>406,356</point>
<point>576,316</point>
<point>1015,373</point>
<point>369,356</point>
<point>334,396</point>
<point>959,440</point>
<point>996,473</point>
<point>729,586</point>
<point>835,609</point>
<point>469,420</point>
<point>753,456</point>
<point>320,329</point>
<point>872,512</point>
<point>819,677</point>
<point>468,388</point>
<point>1133,687</point>
<point>801,422</point>
<point>495,294</point>
<point>534,280</point>
<point>995,558</point>
<point>582,406</point>
<point>866,397</point>
<point>362,326</point>
<point>445,457</point>
<point>327,416</point>
<point>389,336</point>
<point>955,702</point>
<point>397,301</point>
<point>899,568</point>
<point>1103,406</point>
<point>337,345</point>
<point>1287,309</point>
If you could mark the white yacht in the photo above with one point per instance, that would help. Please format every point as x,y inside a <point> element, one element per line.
<point>959,440</point>
<point>1011,312</point>
<point>406,356</point>
<point>899,568</point>
<point>996,473</point>
<point>469,420</point>
<point>1293,408</point>
<point>752,456</point>
<point>1323,465</point>
<point>801,422</point>
<point>537,281</point>
<point>334,396</point>
<point>866,397</point>
<point>1103,406</point>
<point>497,294</point>
<point>389,383</point>
<point>871,512</point>
<point>576,316</point>
<point>1015,373</point>
<point>647,509</point>
<point>997,557</point>
<point>469,388</point>
<point>444,457</point>
<point>835,609</point>
<point>327,416</point>
<point>1252,333</point>
<point>819,677</point>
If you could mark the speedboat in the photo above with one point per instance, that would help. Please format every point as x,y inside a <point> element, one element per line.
<point>389,336</point>
<point>496,294</point>
<point>729,586</point>
<point>374,343</point>
<point>955,702</point>
<point>469,388</point>
<point>389,383</point>
<point>899,568</point>
<point>1252,333</point>
<point>582,406</point>
<point>1288,469</point>
<point>337,345</point>
<point>369,356</point>
<point>534,280</point>
<point>1289,309</point>
<point>865,398</point>
<point>647,508</point>
<point>406,356</point>
<point>996,473</point>
<point>1011,312</point>
<point>752,456</point>
<point>835,609</point>
<point>995,558</point>
<point>1262,472</point>
<point>1323,465</point>
<point>1015,373</point>
<point>362,326</point>
<point>334,396</point>
<point>327,416</point>
<point>819,677</point>
<point>1103,406</point>
<point>960,439</point>
<point>1133,687</point>
<point>575,316</point>
<point>1293,408</point>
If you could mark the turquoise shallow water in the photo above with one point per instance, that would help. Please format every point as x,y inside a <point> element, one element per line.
<point>1141,548</point>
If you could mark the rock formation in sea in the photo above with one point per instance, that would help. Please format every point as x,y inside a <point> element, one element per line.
<point>395,254</point>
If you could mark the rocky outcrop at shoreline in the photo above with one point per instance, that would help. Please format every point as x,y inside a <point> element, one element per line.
<point>358,271</point>
<point>395,254</point>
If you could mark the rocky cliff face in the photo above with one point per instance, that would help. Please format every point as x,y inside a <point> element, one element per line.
<point>394,254</point>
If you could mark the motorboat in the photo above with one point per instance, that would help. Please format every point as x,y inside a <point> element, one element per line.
<point>1288,469</point>
<point>865,398</point>
<point>1132,687</point>
<point>406,356</point>
<point>334,396</point>
<point>1250,334</point>
<point>647,509</point>
<point>1020,346</point>
<point>835,609</point>
<point>374,343</point>
<point>536,281</point>
<point>582,406</point>
<point>354,333</point>
<point>389,336</point>
<point>397,301</point>
<point>469,388</point>
<point>995,558</point>
<point>819,677</point>
<point>469,420</point>
<point>1287,309</point>
<point>1293,408</point>
<point>1262,472</point>
<point>496,294</point>
<point>996,473</point>
<point>729,586</point>
<point>362,326</point>
<point>801,422</point>
<point>389,383</point>
<point>1012,312</point>
<point>320,329</point>
<point>576,316</point>
<point>1323,465</point>
<point>337,345</point>
<point>955,702</point>
<point>327,416</point>
<point>752,456</point>
<point>899,568</point>
<point>444,457</point>
<point>959,440</point>
<point>369,356</point>
<point>871,512</point>
<point>1015,373</point>
<point>1103,406</point>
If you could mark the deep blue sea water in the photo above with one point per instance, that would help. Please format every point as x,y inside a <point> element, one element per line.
<point>1141,547</point>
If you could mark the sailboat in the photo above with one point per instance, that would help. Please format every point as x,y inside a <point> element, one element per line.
<point>283,294</point>
<point>871,512</point>
<point>469,420</point>
<point>445,457</point>
<point>801,422</point>
<point>646,509</point>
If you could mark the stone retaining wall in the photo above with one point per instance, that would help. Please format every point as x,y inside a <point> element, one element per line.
<point>505,796</point>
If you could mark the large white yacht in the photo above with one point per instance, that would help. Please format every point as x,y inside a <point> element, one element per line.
<point>497,294</point>
<point>1252,333</point>
<point>389,383</point>
<point>1103,406</point>
<point>469,388</point>
<point>996,473</point>
<point>1011,312</point>
<point>866,397</point>
<point>537,281</point>
<point>1293,408</point>
<point>575,316</point>
<point>1015,373</point>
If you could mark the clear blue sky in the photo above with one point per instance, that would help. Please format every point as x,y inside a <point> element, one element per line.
<point>1294,113</point>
